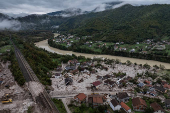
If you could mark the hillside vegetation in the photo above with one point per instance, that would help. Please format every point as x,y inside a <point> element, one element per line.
<point>127,23</point>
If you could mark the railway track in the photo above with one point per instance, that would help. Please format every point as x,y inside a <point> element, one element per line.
<point>43,98</point>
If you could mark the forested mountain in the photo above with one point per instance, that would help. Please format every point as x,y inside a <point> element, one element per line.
<point>41,22</point>
<point>127,23</point>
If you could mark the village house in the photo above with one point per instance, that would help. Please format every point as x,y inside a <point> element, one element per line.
<point>138,104</point>
<point>132,50</point>
<point>147,82</point>
<point>81,97</point>
<point>157,108</point>
<point>109,82</point>
<point>58,75</point>
<point>114,105</point>
<point>67,68</point>
<point>159,47</point>
<point>106,82</point>
<point>96,84</point>
<point>160,89</point>
<point>112,83</point>
<point>125,107</point>
<point>140,85</point>
<point>153,93</point>
<point>124,81</point>
<point>95,100</point>
<point>124,49</point>
<point>74,62</point>
<point>122,97</point>
<point>167,103</point>
<point>166,86</point>
<point>148,85</point>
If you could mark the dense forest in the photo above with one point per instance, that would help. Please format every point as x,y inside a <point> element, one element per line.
<point>4,39</point>
<point>127,23</point>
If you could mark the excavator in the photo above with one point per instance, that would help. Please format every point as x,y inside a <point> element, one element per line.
<point>6,100</point>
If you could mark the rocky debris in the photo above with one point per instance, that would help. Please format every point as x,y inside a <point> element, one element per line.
<point>35,88</point>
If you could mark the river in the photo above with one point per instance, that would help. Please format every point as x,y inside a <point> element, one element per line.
<point>44,44</point>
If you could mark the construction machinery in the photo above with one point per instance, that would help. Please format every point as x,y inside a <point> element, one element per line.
<point>5,99</point>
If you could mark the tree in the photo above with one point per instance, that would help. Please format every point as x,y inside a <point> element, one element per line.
<point>148,110</point>
<point>117,61</point>
<point>91,110</point>
<point>128,62</point>
<point>147,66</point>
<point>159,81</point>
<point>77,110</point>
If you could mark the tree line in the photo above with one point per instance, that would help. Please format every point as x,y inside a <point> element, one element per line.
<point>110,51</point>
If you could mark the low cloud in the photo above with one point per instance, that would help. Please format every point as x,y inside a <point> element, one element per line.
<point>46,6</point>
<point>10,25</point>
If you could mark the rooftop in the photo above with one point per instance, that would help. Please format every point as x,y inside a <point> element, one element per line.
<point>114,102</point>
<point>122,95</point>
<point>125,106</point>
<point>96,83</point>
<point>156,107</point>
<point>81,96</point>
<point>98,99</point>
<point>138,101</point>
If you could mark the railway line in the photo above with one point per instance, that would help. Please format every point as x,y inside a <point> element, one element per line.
<point>43,97</point>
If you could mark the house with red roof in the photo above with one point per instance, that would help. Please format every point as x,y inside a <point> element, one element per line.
<point>157,108</point>
<point>138,104</point>
<point>95,100</point>
<point>166,86</point>
<point>96,84</point>
<point>125,107</point>
<point>81,97</point>
<point>147,82</point>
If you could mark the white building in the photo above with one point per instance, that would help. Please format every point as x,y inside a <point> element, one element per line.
<point>114,105</point>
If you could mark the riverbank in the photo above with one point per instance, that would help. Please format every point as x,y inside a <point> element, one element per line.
<point>44,44</point>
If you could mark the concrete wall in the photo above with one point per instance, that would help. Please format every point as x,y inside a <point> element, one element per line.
<point>116,107</point>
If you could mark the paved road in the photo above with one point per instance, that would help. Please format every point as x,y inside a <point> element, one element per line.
<point>103,92</point>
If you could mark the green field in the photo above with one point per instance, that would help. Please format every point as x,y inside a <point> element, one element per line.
<point>5,48</point>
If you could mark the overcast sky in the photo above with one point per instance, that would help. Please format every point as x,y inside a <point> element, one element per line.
<point>45,6</point>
